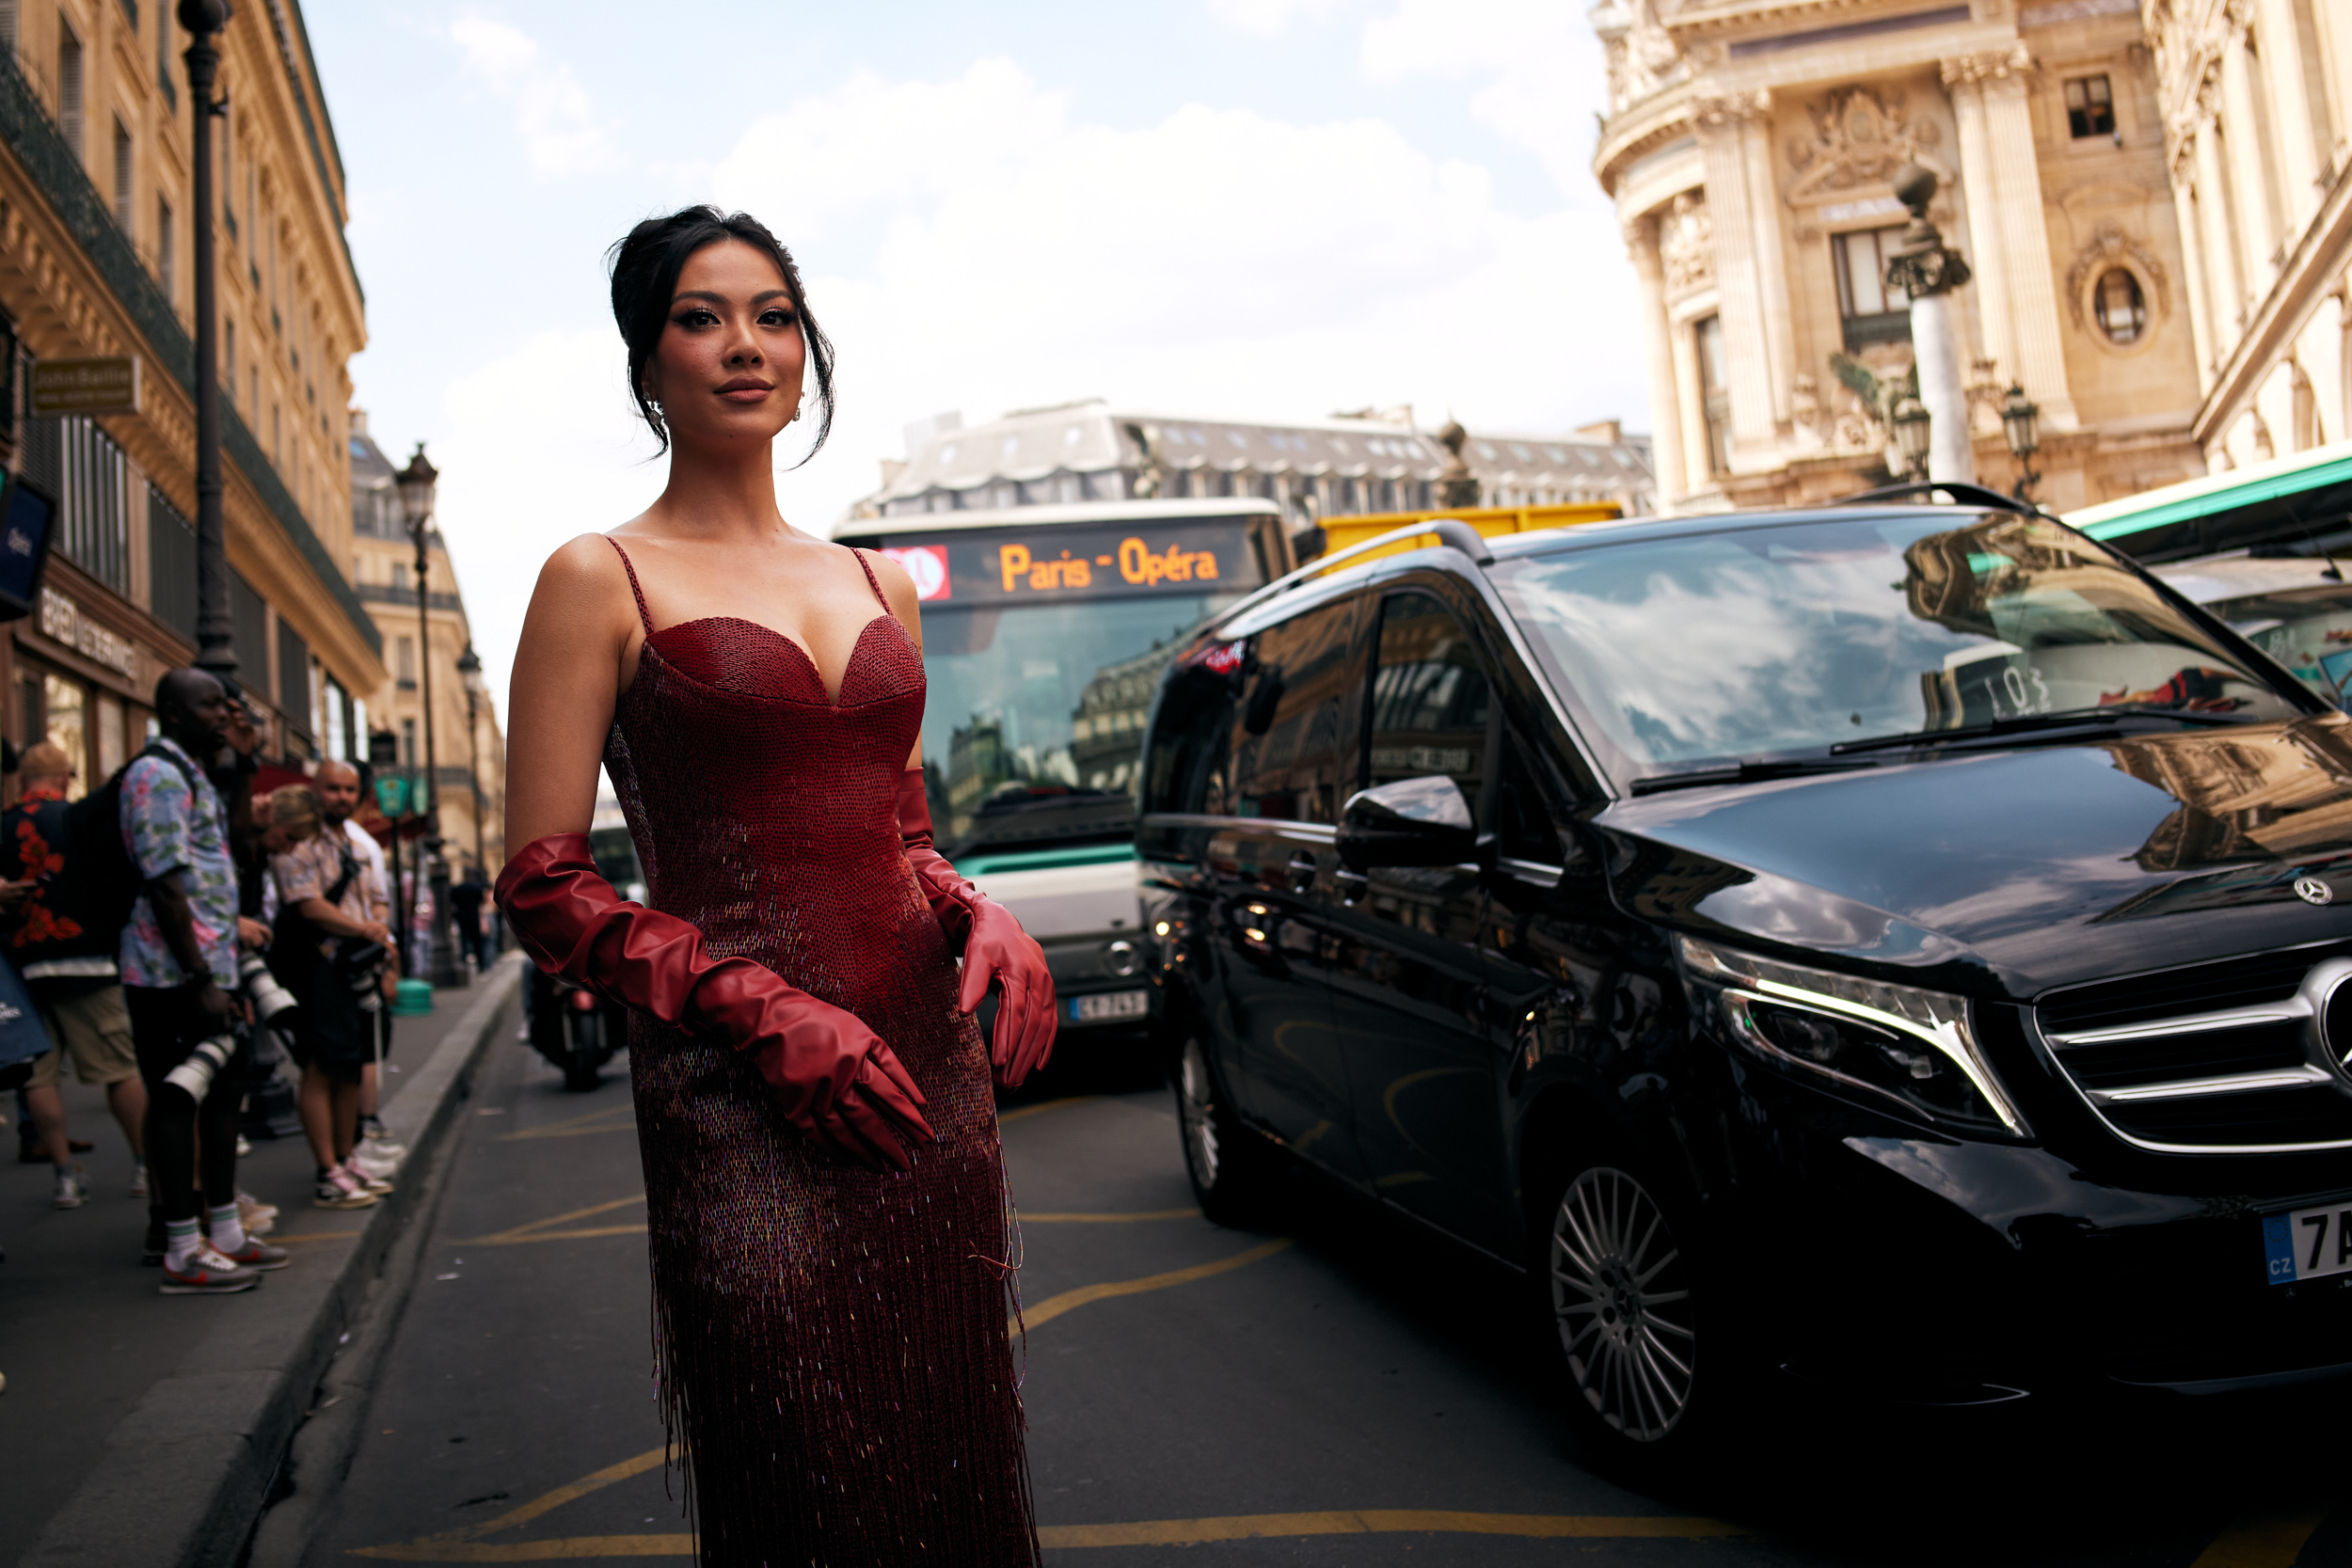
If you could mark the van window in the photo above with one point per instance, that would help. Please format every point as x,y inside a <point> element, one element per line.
<point>1429,698</point>
<point>1259,729</point>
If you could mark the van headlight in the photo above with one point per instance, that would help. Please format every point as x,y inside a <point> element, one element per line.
<point>1893,1042</point>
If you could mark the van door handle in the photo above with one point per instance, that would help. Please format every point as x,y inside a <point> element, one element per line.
<point>1352,884</point>
<point>1302,871</point>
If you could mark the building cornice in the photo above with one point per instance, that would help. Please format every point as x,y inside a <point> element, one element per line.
<point>1640,128</point>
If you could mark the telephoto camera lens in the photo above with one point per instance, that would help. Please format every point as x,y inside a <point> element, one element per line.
<point>195,1075</point>
<point>269,998</point>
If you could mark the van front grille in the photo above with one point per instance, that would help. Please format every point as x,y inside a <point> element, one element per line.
<point>2222,1058</point>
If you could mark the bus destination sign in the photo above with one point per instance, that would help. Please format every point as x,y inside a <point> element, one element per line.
<point>1014,565</point>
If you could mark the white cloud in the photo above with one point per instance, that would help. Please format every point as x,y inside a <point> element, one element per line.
<point>1271,16</point>
<point>551,109</point>
<point>1541,65</point>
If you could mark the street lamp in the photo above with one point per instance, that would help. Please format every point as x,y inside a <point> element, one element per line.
<point>416,483</point>
<point>2021,421</point>
<point>1913,430</point>
<point>470,670</point>
<point>1926,271</point>
<point>215,633</point>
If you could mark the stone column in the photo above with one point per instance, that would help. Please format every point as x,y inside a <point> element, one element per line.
<point>1772,260</point>
<point>2193,283</point>
<point>1697,472</point>
<point>1747,368</point>
<point>2214,193</point>
<point>1935,340</point>
<point>1665,408</point>
<point>2039,360</point>
<point>1976,180</point>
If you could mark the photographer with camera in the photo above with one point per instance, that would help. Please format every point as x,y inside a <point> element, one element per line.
<point>179,964</point>
<point>329,950</point>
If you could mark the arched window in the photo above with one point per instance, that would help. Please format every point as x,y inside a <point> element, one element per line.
<point>2121,309</point>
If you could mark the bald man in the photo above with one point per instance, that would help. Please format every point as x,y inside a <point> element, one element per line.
<point>179,964</point>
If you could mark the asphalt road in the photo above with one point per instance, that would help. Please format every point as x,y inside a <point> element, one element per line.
<point>1337,1389</point>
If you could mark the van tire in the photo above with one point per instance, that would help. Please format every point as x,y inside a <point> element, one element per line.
<point>1227,1165</point>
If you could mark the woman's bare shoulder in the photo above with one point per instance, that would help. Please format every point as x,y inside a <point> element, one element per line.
<point>897,588</point>
<point>585,575</point>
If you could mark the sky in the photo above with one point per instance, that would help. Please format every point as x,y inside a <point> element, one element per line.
<point>1248,209</point>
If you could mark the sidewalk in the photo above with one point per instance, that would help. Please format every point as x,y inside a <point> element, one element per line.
<point>85,1340</point>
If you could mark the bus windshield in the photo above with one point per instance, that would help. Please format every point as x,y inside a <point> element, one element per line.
<point>1043,648</point>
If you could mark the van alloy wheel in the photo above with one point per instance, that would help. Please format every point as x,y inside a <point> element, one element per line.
<point>1196,1094</point>
<point>1621,1300</point>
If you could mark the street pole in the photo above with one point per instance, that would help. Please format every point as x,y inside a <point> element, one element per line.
<point>1929,270</point>
<point>469,671</point>
<point>215,638</point>
<point>416,484</point>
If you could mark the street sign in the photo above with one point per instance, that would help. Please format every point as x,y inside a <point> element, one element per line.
<point>83,386</point>
<point>25,514</point>
<point>391,796</point>
<point>383,748</point>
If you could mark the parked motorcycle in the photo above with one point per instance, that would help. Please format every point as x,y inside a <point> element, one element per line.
<point>575,1029</point>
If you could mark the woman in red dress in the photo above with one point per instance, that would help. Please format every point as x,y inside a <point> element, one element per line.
<point>829,1224</point>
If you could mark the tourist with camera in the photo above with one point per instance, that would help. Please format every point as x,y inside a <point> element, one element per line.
<point>329,950</point>
<point>179,965</point>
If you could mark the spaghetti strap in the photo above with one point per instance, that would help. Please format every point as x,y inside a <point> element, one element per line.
<point>644,615</point>
<point>871,580</point>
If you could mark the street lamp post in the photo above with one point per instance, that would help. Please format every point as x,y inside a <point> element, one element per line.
<point>215,637</point>
<point>416,483</point>
<point>1913,430</point>
<point>1927,271</point>
<point>470,670</point>
<point>2021,423</point>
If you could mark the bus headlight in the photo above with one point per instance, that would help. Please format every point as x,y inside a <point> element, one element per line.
<point>1897,1044</point>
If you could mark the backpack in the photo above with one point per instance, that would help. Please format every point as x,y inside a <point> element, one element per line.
<point>100,881</point>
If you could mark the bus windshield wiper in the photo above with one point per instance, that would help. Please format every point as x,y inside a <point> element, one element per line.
<point>2025,723</point>
<point>1746,773</point>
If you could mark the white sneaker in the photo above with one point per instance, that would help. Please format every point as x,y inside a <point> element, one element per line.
<point>138,1182</point>
<point>367,1180</point>
<point>71,1190</point>
<point>245,1148</point>
<point>378,1159</point>
<point>208,1273</point>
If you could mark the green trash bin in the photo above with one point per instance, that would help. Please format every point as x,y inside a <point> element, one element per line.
<point>412,999</point>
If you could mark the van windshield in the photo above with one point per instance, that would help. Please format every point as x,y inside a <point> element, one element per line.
<point>1706,649</point>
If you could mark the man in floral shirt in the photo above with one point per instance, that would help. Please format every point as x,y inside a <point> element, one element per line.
<point>179,962</point>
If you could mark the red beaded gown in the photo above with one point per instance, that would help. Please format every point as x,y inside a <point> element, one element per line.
<point>831,1339</point>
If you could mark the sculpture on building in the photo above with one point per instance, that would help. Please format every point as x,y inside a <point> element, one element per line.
<point>1642,55</point>
<point>1861,136</point>
<point>1150,475</point>
<point>1456,484</point>
<point>1686,243</point>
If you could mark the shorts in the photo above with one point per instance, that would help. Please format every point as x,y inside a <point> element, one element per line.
<point>95,1028</point>
<point>337,1035</point>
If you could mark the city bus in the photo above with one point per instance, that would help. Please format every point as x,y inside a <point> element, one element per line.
<point>1044,632</point>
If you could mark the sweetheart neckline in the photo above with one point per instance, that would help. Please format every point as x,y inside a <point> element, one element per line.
<point>832,698</point>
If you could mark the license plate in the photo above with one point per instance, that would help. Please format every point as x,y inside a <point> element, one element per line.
<point>1108,1005</point>
<point>2308,1243</point>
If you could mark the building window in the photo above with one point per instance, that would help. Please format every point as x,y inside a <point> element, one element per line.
<point>2089,107</point>
<point>166,251</point>
<point>229,360</point>
<point>409,742</point>
<point>1714,397</point>
<point>80,464</point>
<point>123,178</point>
<point>69,85</point>
<point>1870,313</point>
<point>2121,308</point>
<point>163,57</point>
<point>405,662</point>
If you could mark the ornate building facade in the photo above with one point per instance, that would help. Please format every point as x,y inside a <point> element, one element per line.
<point>2256,96</point>
<point>97,262</point>
<point>1751,147</point>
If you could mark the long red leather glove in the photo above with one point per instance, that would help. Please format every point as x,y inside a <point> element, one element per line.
<point>838,1083</point>
<point>995,948</point>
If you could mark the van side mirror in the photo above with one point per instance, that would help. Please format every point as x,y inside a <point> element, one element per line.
<point>1408,822</point>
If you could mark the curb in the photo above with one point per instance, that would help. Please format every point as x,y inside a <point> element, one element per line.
<point>188,1471</point>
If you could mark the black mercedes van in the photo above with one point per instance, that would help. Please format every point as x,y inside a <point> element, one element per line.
<point>1899,946</point>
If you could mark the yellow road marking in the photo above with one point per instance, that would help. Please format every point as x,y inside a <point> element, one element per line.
<point>1380,1521</point>
<point>2267,1540</point>
<point>456,1546</point>
<point>1111,1219</point>
<point>540,1230</point>
<point>1054,1306</point>
<point>574,1126</point>
<point>1004,1117</point>
<point>312,1236</point>
<point>1156,1532</point>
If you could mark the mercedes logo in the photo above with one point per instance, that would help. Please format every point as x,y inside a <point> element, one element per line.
<point>2312,891</point>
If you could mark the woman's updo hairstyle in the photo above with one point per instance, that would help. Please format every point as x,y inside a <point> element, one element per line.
<point>645,266</point>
